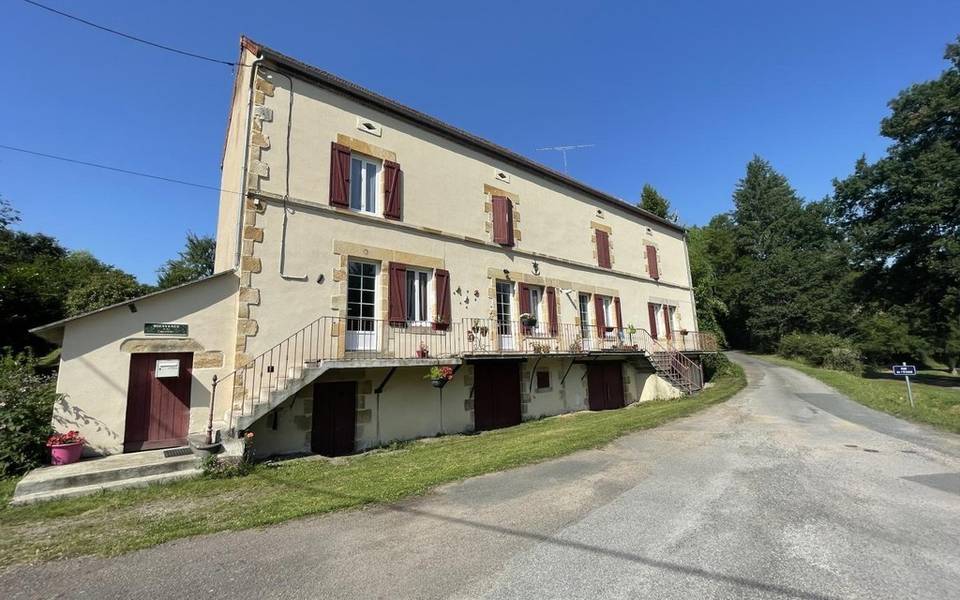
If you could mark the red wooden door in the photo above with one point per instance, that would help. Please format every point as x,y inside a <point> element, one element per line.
<point>604,385</point>
<point>158,408</point>
<point>334,418</point>
<point>496,395</point>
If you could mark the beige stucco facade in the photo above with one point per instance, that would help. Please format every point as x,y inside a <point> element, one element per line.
<point>95,358</point>
<point>288,251</point>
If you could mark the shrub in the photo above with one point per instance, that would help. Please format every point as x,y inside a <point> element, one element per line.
<point>821,350</point>
<point>26,408</point>
<point>716,364</point>
<point>885,338</point>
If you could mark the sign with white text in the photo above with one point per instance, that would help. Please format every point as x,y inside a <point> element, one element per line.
<point>904,370</point>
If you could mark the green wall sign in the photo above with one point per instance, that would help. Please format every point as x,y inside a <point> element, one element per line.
<point>165,329</point>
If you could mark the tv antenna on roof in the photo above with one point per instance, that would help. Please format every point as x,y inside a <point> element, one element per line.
<point>563,150</point>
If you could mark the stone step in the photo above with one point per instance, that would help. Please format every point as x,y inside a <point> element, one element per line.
<point>83,490</point>
<point>115,470</point>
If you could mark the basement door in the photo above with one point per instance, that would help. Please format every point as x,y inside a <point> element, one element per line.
<point>158,401</point>
<point>496,395</point>
<point>334,418</point>
<point>605,385</point>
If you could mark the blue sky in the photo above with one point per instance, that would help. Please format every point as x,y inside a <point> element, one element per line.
<point>677,94</point>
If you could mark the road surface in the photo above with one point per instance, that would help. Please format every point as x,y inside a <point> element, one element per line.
<point>788,490</point>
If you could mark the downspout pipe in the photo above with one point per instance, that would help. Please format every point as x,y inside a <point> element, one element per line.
<point>254,67</point>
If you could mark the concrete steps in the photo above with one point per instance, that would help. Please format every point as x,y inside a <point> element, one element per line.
<point>108,473</point>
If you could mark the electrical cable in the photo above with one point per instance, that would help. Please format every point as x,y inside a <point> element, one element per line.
<point>133,37</point>
<point>116,169</point>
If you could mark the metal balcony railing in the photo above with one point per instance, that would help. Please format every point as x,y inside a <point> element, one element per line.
<point>268,378</point>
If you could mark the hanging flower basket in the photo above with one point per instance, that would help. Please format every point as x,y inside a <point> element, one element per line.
<point>439,376</point>
<point>65,448</point>
<point>528,320</point>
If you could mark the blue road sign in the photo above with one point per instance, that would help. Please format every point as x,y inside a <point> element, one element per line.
<point>904,370</point>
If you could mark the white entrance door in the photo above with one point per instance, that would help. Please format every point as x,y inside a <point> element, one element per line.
<point>361,306</point>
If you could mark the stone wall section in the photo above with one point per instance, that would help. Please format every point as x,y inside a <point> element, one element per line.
<point>253,233</point>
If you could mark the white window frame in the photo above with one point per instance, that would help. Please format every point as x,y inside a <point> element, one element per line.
<point>609,317</point>
<point>536,308</point>
<point>415,303</point>
<point>583,309</point>
<point>365,201</point>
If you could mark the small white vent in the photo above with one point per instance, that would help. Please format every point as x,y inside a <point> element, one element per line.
<point>501,175</point>
<point>368,126</point>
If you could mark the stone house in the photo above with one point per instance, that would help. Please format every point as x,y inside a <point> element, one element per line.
<point>360,243</point>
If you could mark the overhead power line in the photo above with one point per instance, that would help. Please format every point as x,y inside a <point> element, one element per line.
<point>133,37</point>
<point>115,169</point>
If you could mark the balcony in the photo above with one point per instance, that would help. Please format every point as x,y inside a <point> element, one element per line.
<point>336,342</point>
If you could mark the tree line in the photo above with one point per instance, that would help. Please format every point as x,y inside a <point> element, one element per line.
<point>875,266</point>
<point>41,281</point>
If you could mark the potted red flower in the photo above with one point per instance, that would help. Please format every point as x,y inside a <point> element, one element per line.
<point>65,448</point>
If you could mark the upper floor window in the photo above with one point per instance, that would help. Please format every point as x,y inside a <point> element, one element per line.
<point>417,298</point>
<point>364,174</point>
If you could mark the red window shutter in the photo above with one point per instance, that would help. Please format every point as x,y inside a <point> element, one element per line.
<point>339,175</point>
<point>552,310</point>
<point>603,249</point>
<point>392,190</point>
<point>397,307</point>
<point>503,221</point>
<point>441,280</point>
<point>600,317</point>
<point>616,307</point>
<point>652,265</point>
<point>524,292</point>
<point>652,313</point>
<point>667,329</point>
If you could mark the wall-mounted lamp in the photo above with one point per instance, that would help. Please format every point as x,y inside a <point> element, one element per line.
<point>536,268</point>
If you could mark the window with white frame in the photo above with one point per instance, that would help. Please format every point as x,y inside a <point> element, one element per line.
<point>417,297</point>
<point>585,315</point>
<point>609,317</point>
<point>504,298</point>
<point>364,176</point>
<point>536,308</point>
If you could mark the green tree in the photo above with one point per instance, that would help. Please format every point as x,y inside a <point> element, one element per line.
<point>194,262</point>
<point>37,277</point>
<point>102,289</point>
<point>711,309</point>
<point>901,214</point>
<point>777,266</point>
<point>652,201</point>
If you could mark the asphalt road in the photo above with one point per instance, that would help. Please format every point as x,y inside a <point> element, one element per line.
<point>786,491</point>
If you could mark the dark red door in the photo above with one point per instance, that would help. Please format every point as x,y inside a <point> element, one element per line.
<point>604,385</point>
<point>334,418</point>
<point>496,395</point>
<point>158,407</point>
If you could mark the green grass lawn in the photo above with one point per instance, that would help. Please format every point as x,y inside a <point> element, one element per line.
<point>114,522</point>
<point>936,405</point>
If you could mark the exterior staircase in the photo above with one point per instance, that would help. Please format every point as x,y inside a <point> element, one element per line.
<point>264,382</point>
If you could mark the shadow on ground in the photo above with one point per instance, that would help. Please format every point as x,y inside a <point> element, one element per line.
<point>539,537</point>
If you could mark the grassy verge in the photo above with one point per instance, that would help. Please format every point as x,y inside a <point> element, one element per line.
<point>115,522</point>
<point>935,405</point>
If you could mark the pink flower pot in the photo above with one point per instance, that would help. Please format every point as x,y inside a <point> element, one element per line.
<point>64,454</point>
